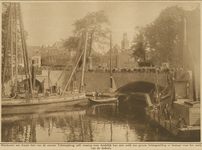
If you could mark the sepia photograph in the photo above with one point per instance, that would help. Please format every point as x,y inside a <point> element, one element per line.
<point>100,71</point>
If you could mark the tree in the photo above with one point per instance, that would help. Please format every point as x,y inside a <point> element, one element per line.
<point>162,38</point>
<point>71,43</point>
<point>165,35</point>
<point>139,45</point>
<point>93,23</point>
<point>98,35</point>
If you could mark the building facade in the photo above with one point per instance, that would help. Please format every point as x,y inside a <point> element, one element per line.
<point>120,58</point>
<point>54,56</point>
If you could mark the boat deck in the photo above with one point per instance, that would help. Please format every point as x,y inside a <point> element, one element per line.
<point>42,99</point>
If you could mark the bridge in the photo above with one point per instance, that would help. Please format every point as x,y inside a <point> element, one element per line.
<point>100,81</point>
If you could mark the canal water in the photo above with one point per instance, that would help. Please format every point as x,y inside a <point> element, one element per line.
<point>113,122</point>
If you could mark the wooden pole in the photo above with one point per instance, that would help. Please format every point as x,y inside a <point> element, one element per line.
<point>23,50</point>
<point>84,63</point>
<point>91,47</point>
<point>49,81</point>
<point>48,78</point>
<point>111,129</point>
<point>110,53</point>
<point>11,26</point>
<point>33,74</point>
<point>26,52</point>
<point>195,84</point>
<point>158,98</point>
<point>16,53</point>
<point>184,45</point>
<point>111,59</point>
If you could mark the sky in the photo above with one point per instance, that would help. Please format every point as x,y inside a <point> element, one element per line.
<point>48,22</point>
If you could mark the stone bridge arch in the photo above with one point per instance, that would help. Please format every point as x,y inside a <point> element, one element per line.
<point>138,87</point>
<point>122,79</point>
<point>100,81</point>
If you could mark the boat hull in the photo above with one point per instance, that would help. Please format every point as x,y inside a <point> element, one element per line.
<point>32,109</point>
<point>41,100</point>
<point>20,106</point>
<point>101,94</point>
<point>105,100</point>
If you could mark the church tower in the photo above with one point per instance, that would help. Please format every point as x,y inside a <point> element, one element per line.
<point>125,42</point>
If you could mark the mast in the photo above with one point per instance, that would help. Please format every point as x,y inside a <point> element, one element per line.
<point>184,45</point>
<point>11,25</point>
<point>16,53</point>
<point>111,59</point>
<point>34,74</point>
<point>91,47</point>
<point>84,63</point>
<point>23,51</point>
<point>110,54</point>
<point>25,48</point>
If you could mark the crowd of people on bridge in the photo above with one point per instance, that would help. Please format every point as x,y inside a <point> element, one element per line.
<point>136,69</point>
<point>158,70</point>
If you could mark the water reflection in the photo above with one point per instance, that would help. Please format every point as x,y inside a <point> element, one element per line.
<point>113,122</point>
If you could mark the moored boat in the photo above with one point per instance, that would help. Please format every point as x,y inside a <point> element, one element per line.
<point>104,100</point>
<point>8,102</point>
<point>42,108</point>
<point>100,94</point>
<point>29,94</point>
